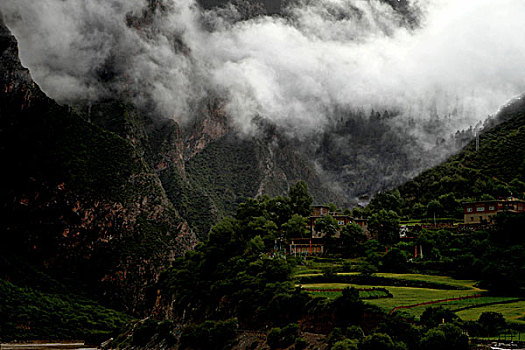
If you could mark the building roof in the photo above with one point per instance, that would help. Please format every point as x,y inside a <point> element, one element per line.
<point>509,200</point>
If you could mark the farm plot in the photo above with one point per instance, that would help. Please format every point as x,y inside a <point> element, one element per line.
<point>402,296</point>
<point>467,303</point>
<point>447,280</point>
<point>463,297</point>
<point>364,293</point>
<point>513,312</point>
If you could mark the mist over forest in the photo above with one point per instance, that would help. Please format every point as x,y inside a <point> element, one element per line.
<point>360,87</point>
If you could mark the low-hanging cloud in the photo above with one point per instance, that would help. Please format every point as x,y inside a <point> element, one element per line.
<point>464,59</point>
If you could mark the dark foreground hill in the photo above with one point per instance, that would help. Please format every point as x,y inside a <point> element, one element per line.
<point>76,199</point>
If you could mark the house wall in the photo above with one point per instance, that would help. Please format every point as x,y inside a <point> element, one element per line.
<point>484,211</point>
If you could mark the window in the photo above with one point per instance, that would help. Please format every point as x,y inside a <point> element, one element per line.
<point>480,209</point>
<point>491,207</point>
<point>469,210</point>
<point>520,208</point>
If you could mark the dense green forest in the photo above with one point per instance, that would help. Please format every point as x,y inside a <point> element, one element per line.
<point>37,306</point>
<point>239,279</point>
<point>31,314</point>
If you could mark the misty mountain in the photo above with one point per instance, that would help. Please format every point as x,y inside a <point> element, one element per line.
<point>253,8</point>
<point>493,169</point>
<point>139,128</point>
<point>78,201</point>
<point>104,196</point>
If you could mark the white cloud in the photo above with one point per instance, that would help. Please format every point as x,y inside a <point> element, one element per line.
<point>294,71</point>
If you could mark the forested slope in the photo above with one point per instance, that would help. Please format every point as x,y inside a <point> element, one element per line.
<point>495,170</point>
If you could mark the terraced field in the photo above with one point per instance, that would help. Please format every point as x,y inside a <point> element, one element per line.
<point>462,296</point>
<point>332,293</point>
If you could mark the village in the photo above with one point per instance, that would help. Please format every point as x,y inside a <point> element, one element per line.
<point>477,215</point>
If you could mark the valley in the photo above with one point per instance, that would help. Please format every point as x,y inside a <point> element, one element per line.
<point>260,175</point>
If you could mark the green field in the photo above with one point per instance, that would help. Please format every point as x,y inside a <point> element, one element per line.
<point>316,266</point>
<point>407,296</point>
<point>470,284</point>
<point>446,280</point>
<point>513,312</point>
<point>333,294</point>
<point>403,296</point>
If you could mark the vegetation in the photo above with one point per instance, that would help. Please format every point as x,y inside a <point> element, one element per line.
<point>331,293</point>
<point>282,338</point>
<point>64,169</point>
<point>231,275</point>
<point>29,314</point>
<point>496,170</point>
<point>78,200</point>
<point>214,335</point>
<point>512,312</point>
<point>241,273</point>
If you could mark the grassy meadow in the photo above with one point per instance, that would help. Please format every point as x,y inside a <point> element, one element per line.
<point>472,300</point>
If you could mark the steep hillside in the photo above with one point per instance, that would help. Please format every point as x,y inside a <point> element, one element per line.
<point>77,200</point>
<point>208,168</point>
<point>496,169</point>
<point>104,195</point>
<point>252,8</point>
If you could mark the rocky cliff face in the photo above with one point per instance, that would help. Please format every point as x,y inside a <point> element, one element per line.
<point>106,194</point>
<point>77,199</point>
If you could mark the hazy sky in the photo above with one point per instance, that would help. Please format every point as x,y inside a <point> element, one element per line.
<point>467,57</point>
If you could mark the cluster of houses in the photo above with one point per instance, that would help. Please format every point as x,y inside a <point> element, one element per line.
<point>475,213</point>
<point>483,212</point>
<point>314,245</point>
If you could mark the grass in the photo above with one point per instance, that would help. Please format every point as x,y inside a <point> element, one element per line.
<point>479,302</point>
<point>316,265</point>
<point>362,294</point>
<point>30,314</point>
<point>513,312</point>
<point>441,280</point>
<point>470,284</point>
<point>307,271</point>
<point>403,296</point>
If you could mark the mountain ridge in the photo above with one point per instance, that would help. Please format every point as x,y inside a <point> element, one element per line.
<point>75,194</point>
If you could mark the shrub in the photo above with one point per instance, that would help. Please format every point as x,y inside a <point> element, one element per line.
<point>144,332</point>
<point>345,344</point>
<point>214,335</point>
<point>377,341</point>
<point>354,332</point>
<point>433,316</point>
<point>492,323</point>
<point>300,344</point>
<point>282,338</point>
<point>273,338</point>
<point>446,336</point>
<point>395,261</point>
